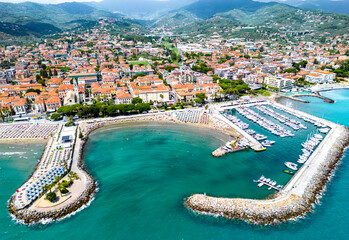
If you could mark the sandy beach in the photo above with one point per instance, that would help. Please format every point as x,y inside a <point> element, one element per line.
<point>23,141</point>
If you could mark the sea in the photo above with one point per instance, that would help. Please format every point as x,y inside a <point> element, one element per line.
<point>145,171</point>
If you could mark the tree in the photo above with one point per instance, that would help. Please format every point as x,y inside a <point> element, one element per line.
<point>2,114</point>
<point>6,65</point>
<point>43,73</point>
<point>201,96</point>
<point>198,100</point>
<point>137,75</point>
<point>142,107</point>
<point>55,73</point>
<point>137,100</point>
<point>169,68</point>
<point>55,116</point>
<point>51,196</point>
<point>43,66</point>
<point>33,90</point>
<point>38,77</point>
<point>60,187</point>
<point>80,135</point>
<point>123,108</point>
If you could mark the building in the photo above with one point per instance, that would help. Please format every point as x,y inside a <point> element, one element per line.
<point>320,76</point>
<point>155,93</point>
<point>39,105</point>
<point>279,82</point>
<point>84,78</point>
<point>123,97</point>
<point>20,106</point>
<point>53,103</point>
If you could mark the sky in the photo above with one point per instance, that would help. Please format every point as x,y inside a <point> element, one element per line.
<point>48,1</point>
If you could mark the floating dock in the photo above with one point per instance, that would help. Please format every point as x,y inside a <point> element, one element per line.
<point>267,184</point>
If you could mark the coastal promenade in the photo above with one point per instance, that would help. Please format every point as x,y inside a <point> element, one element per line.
<point>298,196</point>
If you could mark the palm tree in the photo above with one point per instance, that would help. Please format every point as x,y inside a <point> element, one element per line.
<point>70,175</point>
<point>2,115</point>
<point>60,188</point>
<point>45,188</point>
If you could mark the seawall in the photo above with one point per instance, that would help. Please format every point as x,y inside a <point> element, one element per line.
<point>296,97</point>
<point>286,205</point>
<point>29,216</point>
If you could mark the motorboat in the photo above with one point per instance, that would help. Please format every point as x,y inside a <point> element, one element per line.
<point>291,165</point>
<point>288,172</point>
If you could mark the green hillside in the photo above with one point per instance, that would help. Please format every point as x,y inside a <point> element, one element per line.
<point>256,20</point>
<point>28,18</point>
<point>179,18</point>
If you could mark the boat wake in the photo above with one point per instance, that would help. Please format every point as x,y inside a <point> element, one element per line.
<point>11,153</point>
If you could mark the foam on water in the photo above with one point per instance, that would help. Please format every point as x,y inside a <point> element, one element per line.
<point>11,153</point>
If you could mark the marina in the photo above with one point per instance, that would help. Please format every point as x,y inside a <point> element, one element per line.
<point>296,125</point>
<point>265,123</point>
<point>269,183</point>
<point>318,152</point>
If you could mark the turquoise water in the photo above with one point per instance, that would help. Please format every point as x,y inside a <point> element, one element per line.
<point>145,172</point>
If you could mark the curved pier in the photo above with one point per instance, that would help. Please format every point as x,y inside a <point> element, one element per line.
<point>298,196</point>
<point>316,94</point>
<point>81,192</point>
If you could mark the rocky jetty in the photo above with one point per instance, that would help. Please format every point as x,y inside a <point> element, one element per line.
<point>26,216</point>
<point>283,206</point>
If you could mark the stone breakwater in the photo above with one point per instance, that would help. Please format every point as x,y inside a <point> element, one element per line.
<point>282,206</point>
<point>27,216</point>
<point>296,97</point>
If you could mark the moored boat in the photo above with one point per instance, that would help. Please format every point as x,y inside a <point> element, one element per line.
<point>288,172</point>
<point>291,165</point>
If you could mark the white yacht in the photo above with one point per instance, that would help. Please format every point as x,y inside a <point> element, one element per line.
<point>291,165</point>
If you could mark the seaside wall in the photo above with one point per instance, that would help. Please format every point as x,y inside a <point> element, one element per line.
<point>296,97</point>
<point>282,206</point>
<point>26,216</point>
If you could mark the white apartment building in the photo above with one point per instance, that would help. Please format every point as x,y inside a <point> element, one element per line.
<point>278,82</point>
<point>320,76</point>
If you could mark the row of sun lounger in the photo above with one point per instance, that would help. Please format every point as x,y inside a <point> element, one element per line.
<point>26,131</point>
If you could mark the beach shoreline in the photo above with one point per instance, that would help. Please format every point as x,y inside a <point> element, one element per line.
<point>28,216</point>
<point>23,140</point>
<point>280,207</point>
